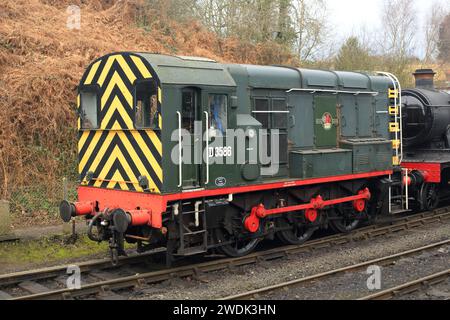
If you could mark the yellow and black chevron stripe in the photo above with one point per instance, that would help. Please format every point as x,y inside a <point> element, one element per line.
<point>117,154</point>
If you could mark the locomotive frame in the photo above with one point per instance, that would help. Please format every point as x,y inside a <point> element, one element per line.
<point>336,168</point>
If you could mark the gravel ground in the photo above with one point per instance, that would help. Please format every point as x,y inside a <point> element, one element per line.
<point>224,283</point>
<point>353,285</point>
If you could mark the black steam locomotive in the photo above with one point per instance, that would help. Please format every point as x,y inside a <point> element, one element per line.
<point>426,140</point>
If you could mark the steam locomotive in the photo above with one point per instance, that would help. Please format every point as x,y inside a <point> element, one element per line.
<point>194,155</point>
<point>426,138</point>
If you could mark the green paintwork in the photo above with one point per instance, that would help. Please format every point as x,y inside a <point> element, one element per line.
<point>369,154</point>
<point>353,80</point>
<point>325,133</point>
<point>311,150</point>
<point>189,71</point>
<point>320,163</point>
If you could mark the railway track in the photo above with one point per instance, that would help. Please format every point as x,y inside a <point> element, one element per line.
<point>409,287</point>
<point>380,261</point>
<point>106,285</point>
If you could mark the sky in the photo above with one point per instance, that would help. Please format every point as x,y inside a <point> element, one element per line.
<point>349,16</point>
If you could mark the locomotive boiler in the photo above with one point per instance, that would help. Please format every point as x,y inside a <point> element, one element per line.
<point>426,137</point>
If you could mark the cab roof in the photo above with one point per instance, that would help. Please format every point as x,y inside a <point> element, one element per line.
<point>183,70</point>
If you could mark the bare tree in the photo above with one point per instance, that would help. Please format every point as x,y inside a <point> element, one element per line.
<point>248,20</point>
<point>297,25</point>
<point>286,33</point>
<point>433,22</point>
<point>310,25</point>
<point>213,14</point>
<point>399,20</point>
<point>444,39</point>
<point>149,12</point>
<point>398,37</point>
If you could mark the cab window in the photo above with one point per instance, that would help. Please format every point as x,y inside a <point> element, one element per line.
<point>146,105</point>
<point>272,113</point>
<point>262,112</point>
<point>218,112</point>
<point>89,107</point>
<point>189,102</point>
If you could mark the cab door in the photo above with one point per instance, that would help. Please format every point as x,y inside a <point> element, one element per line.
<point>191,136</point>
<point>215,169</point>
<point>326,122</point>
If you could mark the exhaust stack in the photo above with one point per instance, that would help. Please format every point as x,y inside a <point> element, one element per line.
<point>424,79</point>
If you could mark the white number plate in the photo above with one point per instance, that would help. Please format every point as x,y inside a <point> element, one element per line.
<point>220,152</point>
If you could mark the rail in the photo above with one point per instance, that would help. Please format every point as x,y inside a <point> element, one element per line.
<point>409,287</point>
<point>196,270</point>
<point>383,260</point>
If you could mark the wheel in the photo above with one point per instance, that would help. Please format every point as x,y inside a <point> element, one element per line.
<point>343,218</point>
<point>239,246</point>
<point>299,231</point>
<point>429,196</point>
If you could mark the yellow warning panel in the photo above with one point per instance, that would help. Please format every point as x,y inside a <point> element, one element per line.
<point>394,127</point>
<point>395,144</point>
<point>393,94</point>
<point>393,110</point>
<point>395,161</point>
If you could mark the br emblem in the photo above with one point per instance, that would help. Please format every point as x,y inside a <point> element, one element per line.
<point>327,121</point>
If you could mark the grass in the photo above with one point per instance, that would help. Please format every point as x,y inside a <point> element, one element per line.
<point>47,250</point>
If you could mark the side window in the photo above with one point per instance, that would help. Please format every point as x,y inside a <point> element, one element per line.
<point>89,107</point>
<point>273,114</point>
<point>279,116</point>
<point>146,105</point>
<point>218,112</point>
<point>280,122</point>
<point>261,112</point>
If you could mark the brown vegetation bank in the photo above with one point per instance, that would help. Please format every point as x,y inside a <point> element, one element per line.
<point>41,62</point>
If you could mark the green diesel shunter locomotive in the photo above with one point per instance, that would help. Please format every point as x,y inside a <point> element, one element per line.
<point>195,155</point>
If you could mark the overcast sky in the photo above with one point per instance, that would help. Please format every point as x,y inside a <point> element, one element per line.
<point>349,16</point>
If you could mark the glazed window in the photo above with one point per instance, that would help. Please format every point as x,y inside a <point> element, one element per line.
<point>146,105</point>
<point>261,112</point>
<point>218,113</point>
<point>279,114</point>
<point>89,108</point>
<point>188,110</point>
<point>273,114</point>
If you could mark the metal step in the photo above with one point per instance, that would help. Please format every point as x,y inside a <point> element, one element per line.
<point>193,212</point>
<point>186,234</point>
<point>396,184</point>
<point>191,251</point>
<point>398,208</point>
<point>398,211</point>
<point>194,233</point>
